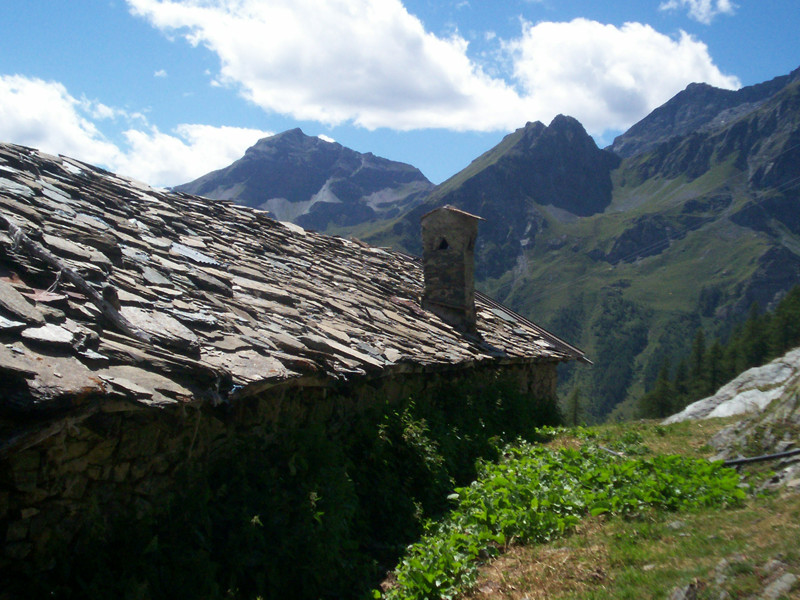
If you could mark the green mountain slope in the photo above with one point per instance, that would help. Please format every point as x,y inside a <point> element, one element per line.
<point>626,257</point>
<point>699,228</point>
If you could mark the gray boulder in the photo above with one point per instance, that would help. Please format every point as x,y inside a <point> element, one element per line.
<point>750,392</point>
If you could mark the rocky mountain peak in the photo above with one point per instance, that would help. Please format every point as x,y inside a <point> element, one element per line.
<point>567,124</point>
<point>293,140</point>
<point>561,127</point>
<point>314,183</point>
<point>534,167</point>
<point>698,106</point>
<point>534,129</point>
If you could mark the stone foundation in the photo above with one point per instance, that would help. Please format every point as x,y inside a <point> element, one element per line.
<point>122,458</point>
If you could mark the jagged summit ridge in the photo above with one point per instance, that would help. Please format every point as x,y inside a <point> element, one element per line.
<point>558,166</point>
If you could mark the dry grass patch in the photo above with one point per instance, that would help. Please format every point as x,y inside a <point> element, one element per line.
<point>541,572</point>
<point>687,438</point>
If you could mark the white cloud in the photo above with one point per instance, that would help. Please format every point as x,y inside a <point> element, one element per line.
<point>43,115</point>
<point>365,61</point>
<point>98,110</point>
<point>160,73</point>
<point>703,11</point>
<point>102,112</point>
<point>371,63</point>
<point>194,150</point>
<point>607,77</point>
<point>326,138</point>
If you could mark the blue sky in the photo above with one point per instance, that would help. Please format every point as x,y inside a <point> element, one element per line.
<point>167,90</point>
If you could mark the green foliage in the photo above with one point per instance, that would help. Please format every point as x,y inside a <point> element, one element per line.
<point>669,341</point>
<point>710,298</point>
<point>621,330</point>
<point>536,494</point>
<point>784,324</point>
<point>574,407</point>
<point>312,510</point>
<point>754,343</point>
<point>569,319</point>
<point>658,403</point>
<point>697,363</point>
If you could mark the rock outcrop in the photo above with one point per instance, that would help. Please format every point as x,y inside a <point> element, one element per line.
<point>769,399</point>
<point>752,391</point>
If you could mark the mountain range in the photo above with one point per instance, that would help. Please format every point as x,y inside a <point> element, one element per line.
<point>686,220</point>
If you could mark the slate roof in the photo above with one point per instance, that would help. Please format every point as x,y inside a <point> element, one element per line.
<point>113,289</point>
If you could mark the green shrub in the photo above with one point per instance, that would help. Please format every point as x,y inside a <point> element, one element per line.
<point>312,511</point>
<point>536,494</point>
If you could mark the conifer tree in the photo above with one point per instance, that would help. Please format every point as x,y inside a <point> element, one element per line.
<point>784,327</point>
<point>713,360</point>
<point>680,383</point>
<point>574,407</point>
<point>697,367</point>
<point>659,402</point>
<point>755,344</point>
<point>730,359</point>
<point>759,339</point>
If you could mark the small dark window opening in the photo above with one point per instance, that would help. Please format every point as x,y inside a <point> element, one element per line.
<point>443,245</point>
<point>471,245</point>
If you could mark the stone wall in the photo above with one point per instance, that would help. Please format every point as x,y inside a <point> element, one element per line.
<point>87,468</point>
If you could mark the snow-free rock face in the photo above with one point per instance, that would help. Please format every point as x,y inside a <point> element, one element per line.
<point>752,391</point>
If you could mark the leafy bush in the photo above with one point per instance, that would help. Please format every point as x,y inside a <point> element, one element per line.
<point>537,494</point>
<point>311,510</point>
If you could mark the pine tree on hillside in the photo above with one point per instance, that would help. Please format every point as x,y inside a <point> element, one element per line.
<point>698,377</point>
<point>732,356</point>
<point>755,343</point>
<point>784,327</point>
<point>681,385</point>
<point>574,407</point>
<point>715,374</point>
<point>659,402</point>
<point>761,338</point>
